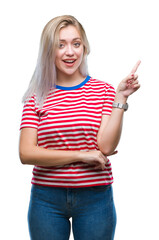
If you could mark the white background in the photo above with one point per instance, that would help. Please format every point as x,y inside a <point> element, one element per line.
<point>120,32</point>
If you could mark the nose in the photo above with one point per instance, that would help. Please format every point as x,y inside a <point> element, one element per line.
<point>69,50</point>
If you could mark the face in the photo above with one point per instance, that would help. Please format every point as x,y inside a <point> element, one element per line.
<point>69,53</point>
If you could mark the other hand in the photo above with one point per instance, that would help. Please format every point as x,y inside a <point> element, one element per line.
<point>130,84</point>
<point>96,159</point>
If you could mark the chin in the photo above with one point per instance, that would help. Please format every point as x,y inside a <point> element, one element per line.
<point>70,72</point>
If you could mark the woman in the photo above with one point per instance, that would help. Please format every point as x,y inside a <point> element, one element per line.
<point>68,129</point>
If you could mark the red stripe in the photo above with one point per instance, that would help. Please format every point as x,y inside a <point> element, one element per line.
<point>79,112</point>
<point>75,114</point>
<point>72,177</point>
<point>70,166</point>
<point>29,123</point>
<point>74,136</point>
<point>77,182</point>
<point>68,140</point>
<point>73,131</point>
<point>87,185</point>
<point>41,128</point>
<point>66,147</point>
<point>72,120</point>
<point>72,172</point>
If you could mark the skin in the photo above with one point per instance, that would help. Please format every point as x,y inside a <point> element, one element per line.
<point>111,126</point>
<point>71,48</point>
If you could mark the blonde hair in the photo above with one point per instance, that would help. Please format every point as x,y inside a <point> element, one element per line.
<point>44,77</point>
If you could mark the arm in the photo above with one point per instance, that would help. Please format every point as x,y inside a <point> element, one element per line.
<point>32,154</point>
<point>111,126</point>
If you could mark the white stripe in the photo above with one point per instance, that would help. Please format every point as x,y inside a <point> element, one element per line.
<point>55,137</point>
<point>79,104</point>
<point>76,98</point>
<point>28,108</point>
<point>81,114</point>
<point>71,179</point>
<point>65,137</point>
<point>73,111</point>
<point>67,118</point>
<point>59,146</point>
<point>78,170</point>
<point>25,118</point>
<point>66,128</point>
<point>64,166</point>
<point>30,121</point>
<point>66,140</point>
<point>28,125</point>
<point>75,174</point>
<point>85,109</point>
<point>71,184</point>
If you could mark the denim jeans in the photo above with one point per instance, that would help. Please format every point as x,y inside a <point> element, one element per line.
<point>91,208</point>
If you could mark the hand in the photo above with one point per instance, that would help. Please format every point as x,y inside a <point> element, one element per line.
<point>98,165</point>
<point>95,158</point>
<point>130,84</point>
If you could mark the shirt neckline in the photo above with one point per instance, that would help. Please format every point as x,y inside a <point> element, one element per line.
<point>74,87</point>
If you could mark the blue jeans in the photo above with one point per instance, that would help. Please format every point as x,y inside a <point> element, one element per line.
<point>92,211</point>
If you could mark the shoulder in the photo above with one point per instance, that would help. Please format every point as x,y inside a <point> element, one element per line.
<point>31,103</point>
<point>102,84</point>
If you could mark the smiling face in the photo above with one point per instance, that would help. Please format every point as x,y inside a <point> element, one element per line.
<point>69,53</point>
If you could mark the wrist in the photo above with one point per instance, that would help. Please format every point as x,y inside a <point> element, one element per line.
<point>120,106</point>
<point>120,98</point>
<point>82,155</point>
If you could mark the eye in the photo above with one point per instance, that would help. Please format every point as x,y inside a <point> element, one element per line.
<point>77,44</point>
<point>61,45</point>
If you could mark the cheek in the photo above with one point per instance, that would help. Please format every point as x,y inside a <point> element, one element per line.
<point>58,59</point>
<point>80,54</point>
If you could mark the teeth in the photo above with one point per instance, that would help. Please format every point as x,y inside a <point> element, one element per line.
<point>69,61</point>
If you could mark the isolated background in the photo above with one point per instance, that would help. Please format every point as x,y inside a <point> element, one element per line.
<point>120,32</point>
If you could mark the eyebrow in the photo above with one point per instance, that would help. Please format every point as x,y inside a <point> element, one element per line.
<point>63,40</point>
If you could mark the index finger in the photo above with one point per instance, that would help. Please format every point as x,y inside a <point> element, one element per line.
<point>136,67</point>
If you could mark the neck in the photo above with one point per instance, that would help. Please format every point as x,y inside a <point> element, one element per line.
<point>69,80</point>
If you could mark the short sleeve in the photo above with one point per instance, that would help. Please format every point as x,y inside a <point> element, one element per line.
<point>30,116</point>
<point>108,100</point>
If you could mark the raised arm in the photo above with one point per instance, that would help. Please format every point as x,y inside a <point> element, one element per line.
<point>111,126</point>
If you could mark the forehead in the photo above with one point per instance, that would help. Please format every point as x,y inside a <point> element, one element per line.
<point>69,33</point>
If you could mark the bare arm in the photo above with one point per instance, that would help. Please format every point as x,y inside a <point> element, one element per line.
<point>32,154</point>
<point>111,126</point>
<point>110,132</point>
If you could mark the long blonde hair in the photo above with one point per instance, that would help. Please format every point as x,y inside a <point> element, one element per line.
<point>44,77</point>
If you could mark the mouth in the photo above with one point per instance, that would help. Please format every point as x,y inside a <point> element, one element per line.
<point>69,62</point>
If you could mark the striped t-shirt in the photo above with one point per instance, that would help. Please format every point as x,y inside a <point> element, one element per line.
<point>69,120</point>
